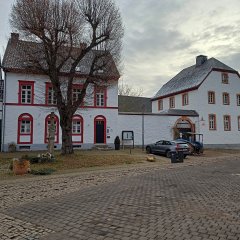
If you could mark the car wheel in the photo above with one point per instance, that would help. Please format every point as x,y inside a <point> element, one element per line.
<point>168,154</point>
<point>148,150</point>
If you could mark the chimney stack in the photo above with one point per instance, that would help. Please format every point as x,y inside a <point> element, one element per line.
<point>14,38</point>
<point>201,59</point>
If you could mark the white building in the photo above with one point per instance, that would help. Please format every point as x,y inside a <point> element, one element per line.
<point>203,98</point>
<point>212,89</point>
<point>29,99</point>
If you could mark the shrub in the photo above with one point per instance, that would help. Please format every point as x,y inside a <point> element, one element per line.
<point>12,147</point>
<point>43,171</point>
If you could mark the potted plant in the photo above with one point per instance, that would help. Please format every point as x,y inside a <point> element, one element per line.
<point>12,147</point>
<point>117,143</point>
<point>21,166</point>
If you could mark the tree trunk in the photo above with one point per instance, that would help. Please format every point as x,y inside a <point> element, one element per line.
<point>66,125</point>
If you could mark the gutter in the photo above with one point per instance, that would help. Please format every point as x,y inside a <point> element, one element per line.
<point>3,112</point>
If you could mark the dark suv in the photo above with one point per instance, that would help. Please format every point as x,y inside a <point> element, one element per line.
<point>168,147</point>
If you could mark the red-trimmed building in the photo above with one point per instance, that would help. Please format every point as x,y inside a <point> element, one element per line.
<point>29,99</point>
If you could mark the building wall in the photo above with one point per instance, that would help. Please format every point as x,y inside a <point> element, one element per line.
<point>39,111</point>
<point>156,127</point>
<point>192,98</point>
<point>214,83</point>
<point>198,101</point>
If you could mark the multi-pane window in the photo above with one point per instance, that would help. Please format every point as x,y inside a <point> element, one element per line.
<point>225,78</point>
<point>76,94</point>
<point>211,97</point>
<point>26,92</point>
<point>226,99</point>
<point>160,104</point>
<point>25,129</point>
<point>100,97</point>
<point>227,123</point>
<point>212,122</point>
<point>171,102</point>
<point>51,96</point>
<point>238,99</point>
<point>185,99</point>
<point>76,127</point>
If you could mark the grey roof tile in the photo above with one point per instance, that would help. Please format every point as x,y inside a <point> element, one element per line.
<point>134,104</point>
<point>17,57</point>
<point>191,77</point>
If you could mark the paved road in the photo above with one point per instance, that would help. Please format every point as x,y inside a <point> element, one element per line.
<point>193,202</point>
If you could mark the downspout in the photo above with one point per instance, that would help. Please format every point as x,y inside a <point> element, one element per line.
<point>3,111</point>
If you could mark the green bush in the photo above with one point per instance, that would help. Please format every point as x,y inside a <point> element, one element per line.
<point>43,171</point>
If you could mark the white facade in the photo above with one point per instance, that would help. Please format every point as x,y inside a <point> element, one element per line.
<point>148,126</point>
<point>39,111</point>
<point>198,101</point>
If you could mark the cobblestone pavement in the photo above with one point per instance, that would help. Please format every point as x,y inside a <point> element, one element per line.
<point>189,201</point>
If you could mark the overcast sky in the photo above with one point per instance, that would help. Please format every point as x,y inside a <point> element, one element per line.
<point>164,36</point>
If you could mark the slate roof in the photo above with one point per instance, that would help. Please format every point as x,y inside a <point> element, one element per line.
<point>134,104</point>
<point>191,77</point>
<point>170,112</point>
<point>179,112</point>
<point>17,58</point>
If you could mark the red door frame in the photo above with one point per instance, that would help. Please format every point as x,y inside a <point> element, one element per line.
<point>100,118</point>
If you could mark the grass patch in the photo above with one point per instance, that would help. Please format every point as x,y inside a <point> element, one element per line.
<point>80,159</point>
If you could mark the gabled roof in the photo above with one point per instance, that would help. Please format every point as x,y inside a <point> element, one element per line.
<point>16,58</point>
<point>134,104</point>
<point>191,78</point>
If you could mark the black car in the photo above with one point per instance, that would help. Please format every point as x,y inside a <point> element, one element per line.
<point>167,148</point>
<point>197,147</point>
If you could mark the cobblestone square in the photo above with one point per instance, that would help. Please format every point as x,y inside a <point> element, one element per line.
<point>199,201</point>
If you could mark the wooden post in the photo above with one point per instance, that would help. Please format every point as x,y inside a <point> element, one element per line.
<point>51,134</point>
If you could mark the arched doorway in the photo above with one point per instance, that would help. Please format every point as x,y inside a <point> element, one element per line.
<point>182,127</point>
<point>100,130</point>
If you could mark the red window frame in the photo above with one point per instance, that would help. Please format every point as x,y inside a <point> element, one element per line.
<point>213,93</point>
<point>100,118</point>
<point>160,104</point>
<point>46,129</point>
<point>25,117</point>
<point>183,99</point>
<point>229,122</point>
<point>228,98</point>
<point>78,118</point>
<point>225,78</point>
<point>22,83</point>
<point>214,122</point>
<point>48,85</point>
<point>173,101</point>
<point>104,89</point>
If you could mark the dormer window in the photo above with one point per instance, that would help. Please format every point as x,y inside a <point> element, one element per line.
<point>225,78</point>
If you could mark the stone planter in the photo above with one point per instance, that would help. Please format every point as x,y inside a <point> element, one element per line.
<point>21,166</point>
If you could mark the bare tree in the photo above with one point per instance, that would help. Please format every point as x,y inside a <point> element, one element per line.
<point>127,90</point>
<point>70,37</point>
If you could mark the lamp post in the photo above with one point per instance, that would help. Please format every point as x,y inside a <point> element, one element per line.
<point>143,110</point>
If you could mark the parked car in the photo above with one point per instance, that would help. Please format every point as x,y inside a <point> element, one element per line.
<point>197,147</point>
<point>168,147</point>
